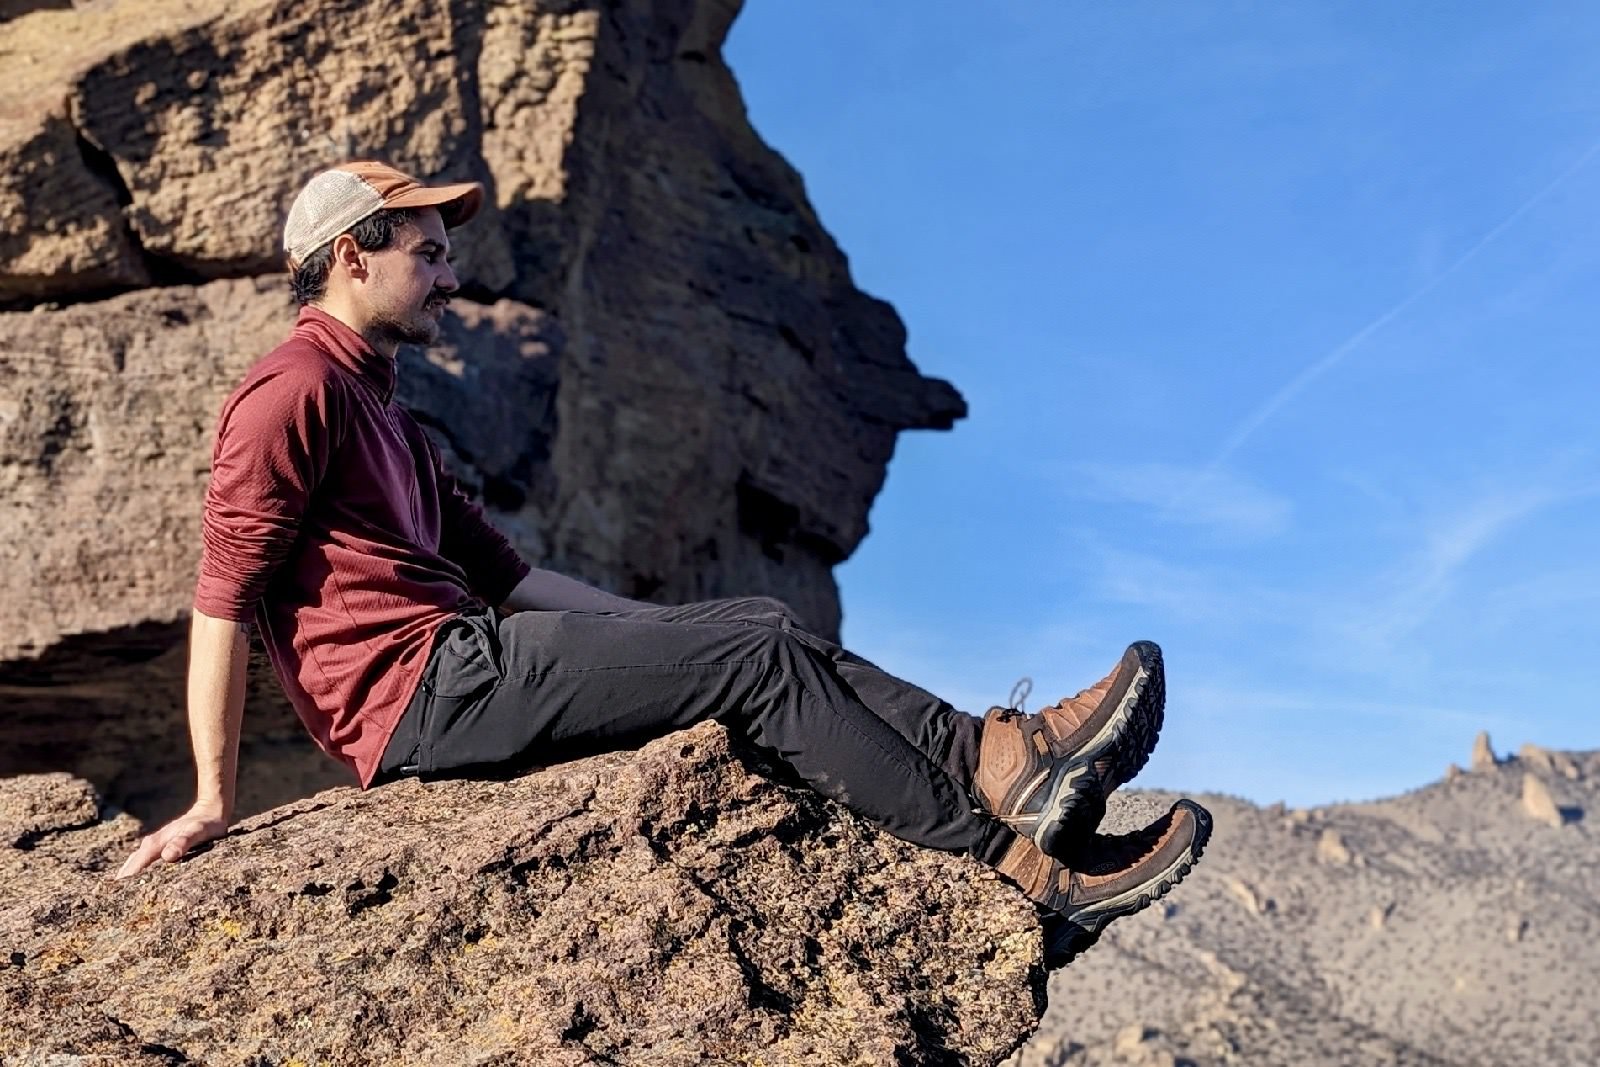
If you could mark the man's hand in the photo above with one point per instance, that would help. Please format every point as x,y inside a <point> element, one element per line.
<point>196,826</point>
<point>219,659</point>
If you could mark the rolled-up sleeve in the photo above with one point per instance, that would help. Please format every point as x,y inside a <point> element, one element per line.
<point>492,565</point>
<point>274,439</point>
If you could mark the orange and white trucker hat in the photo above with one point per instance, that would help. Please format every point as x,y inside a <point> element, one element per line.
<point>337,199</point>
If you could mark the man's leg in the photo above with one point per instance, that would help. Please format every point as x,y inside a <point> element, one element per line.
<point>546,686</point>
<point>541,687</point>
<point>1046,775</point>
<point>945,735</point>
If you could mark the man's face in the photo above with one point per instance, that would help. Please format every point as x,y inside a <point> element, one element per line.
<point>410,281</point>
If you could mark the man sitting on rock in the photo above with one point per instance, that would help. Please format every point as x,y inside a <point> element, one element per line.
<point>332,524</point>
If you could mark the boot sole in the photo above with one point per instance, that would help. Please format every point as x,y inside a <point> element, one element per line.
<point>1077,799</point>
<point>1076,934</point>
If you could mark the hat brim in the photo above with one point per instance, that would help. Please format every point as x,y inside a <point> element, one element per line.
<point>457,204</point>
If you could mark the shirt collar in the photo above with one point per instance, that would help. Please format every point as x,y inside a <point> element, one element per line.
<point>348,349</point>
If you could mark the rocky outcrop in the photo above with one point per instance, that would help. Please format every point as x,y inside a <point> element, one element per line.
<point>1249,896</point>
<point>1331,848</point>
<point>1537,803</point>
<point>1548,762</point>
<point>84,246</point>
<point>53,832</point>
<point>104,455</point>
<point>715,340</point>
<point>1483,757</point>
<point>1454,934</point>
<point>662,378</point>
<point>669,906</point>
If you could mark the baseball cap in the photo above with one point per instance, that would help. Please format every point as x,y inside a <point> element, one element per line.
<point>337,199</point>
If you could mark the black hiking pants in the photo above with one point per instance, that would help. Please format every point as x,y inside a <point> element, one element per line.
<point>541,687</point>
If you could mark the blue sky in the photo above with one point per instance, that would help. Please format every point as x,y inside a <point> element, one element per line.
<point>1277,324</point>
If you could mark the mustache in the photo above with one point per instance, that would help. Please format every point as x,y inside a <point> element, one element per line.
<point>437,300</point>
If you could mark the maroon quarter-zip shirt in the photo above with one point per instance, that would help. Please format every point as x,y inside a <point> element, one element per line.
<point>331,522</point>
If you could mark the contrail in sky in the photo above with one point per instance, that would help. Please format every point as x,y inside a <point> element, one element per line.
<point>1247,428</point>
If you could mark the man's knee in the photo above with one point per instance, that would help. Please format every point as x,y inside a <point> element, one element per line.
<point>775,645</point>
<point>767,610</point>
<point>766,605</point>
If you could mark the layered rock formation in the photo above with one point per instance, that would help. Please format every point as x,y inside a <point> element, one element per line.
<point>668,385</point>
<point>664,907</point>
<point>1449,926</point>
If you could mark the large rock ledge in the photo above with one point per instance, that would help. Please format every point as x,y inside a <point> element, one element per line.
<point>666,906</point>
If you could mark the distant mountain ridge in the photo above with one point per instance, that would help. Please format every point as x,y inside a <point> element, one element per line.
<point>1457,924</point>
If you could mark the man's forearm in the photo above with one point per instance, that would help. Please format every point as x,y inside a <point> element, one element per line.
<point>544,590</point>
<point>219,659</point>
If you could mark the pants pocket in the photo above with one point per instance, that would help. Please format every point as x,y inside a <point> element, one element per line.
<point>467,655</point>
<point>466,669</point>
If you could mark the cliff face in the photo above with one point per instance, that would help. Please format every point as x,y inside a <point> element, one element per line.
<point>661,379</point>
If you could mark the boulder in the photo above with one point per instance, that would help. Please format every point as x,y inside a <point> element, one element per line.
<point>61,227</point>
<point>104,453</point>
<point>1142,1046</point>
<point>670,906</point>
<point>1254,901</point>
<point>33,807</point>
<point>54,831</point>
<point>1331,848</point>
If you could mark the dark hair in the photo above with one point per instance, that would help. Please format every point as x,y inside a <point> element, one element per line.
<point>310,279</point>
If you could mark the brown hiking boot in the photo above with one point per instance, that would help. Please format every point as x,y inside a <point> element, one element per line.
<point>1112,877</point>
<point>1047,776</point>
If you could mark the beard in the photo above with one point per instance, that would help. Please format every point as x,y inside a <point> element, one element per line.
<point>420,328</point>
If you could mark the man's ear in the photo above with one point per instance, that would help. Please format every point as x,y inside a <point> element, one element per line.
<point>348,255</point>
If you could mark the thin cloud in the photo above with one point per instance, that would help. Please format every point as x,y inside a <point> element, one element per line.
<point>1180,592</point>
<point>1426,579</point>
<point>1540,595</point>
<point>1230,504</point>
<point>1297,385</point>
